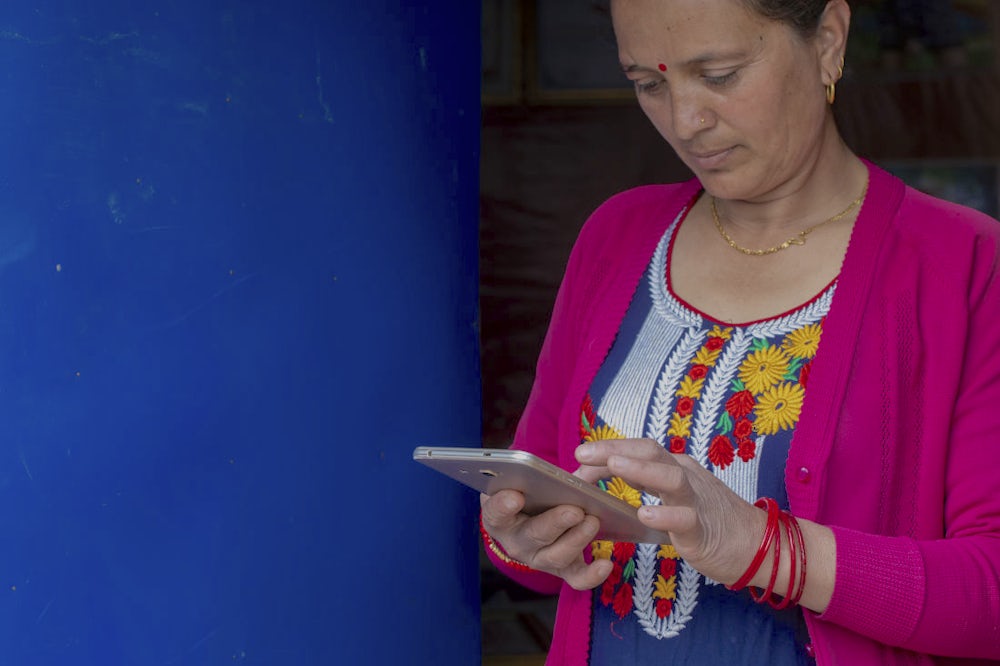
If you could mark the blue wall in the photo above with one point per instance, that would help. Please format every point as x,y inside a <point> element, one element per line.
<point>237,287</point>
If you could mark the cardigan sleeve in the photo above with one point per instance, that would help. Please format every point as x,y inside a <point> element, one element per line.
<point>941,596</point>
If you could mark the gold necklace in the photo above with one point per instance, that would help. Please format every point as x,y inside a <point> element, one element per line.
<point>797,239</point>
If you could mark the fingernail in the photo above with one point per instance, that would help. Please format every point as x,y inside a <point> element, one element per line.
<point>508,504</point>
<point>584,451</point>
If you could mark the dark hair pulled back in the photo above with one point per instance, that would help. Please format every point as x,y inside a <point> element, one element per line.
<point>802,15</point>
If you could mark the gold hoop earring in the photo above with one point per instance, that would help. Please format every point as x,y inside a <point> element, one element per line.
<point>831,88</point>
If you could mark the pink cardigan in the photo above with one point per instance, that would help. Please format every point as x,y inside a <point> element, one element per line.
<point>893,448</point>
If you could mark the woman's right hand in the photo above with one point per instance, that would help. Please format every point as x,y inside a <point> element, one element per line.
<point>553,542</point>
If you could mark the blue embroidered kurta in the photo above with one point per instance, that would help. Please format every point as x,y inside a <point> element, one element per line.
<point>730,397</point>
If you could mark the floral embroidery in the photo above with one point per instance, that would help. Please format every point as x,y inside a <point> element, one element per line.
<point>602,432</point>
<point>803,342</point>
<point>778,408</point>
<point>618,488</point>
<point>763,368</point>
<point>757,390</point>
<point>691,387</point>
<point>721,452</point>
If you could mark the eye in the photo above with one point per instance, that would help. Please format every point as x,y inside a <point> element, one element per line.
<point>648,87</point>
<point>720,79</point>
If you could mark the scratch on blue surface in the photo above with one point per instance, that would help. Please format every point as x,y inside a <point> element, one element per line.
<point>110,37</point>
<point>24,463</point>
<point>327,114</point>
<point>44,611</point>
<point>217,294</point>
<point>194,647</point>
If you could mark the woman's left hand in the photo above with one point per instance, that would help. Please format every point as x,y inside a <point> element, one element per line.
<point>712,528</point>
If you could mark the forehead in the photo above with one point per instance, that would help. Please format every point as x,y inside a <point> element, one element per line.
<point>683,26</point>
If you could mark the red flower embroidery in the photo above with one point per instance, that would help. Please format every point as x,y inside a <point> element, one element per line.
<point>747,450</point>
<point>623,600</point>
<point>698,372</point>
<point>663,607</point>
<point>743,429</point>
<point>685,406</point>
<point>668,567</point>
<point>714,343</point>
<point>622,552</point>
<point>804,374</point>
<point>721,452</point>
<point>607,592</point>
<point>677,444</point>
<point>740,404</point>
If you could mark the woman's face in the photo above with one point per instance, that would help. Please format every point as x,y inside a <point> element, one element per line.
<point>740,98</point>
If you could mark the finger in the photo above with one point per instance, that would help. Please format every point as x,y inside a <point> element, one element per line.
<point>546,528</point>
<point>501,510</point>
<point>567,548</point>
<point>669,518</point>
<point>597,453</point>
<point>592,474</point>
<point>666,477</point>
<point>583,576</point>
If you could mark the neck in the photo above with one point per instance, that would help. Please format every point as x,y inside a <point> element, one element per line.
<point>814,194</point>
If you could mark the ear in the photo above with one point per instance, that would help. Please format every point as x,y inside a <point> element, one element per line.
<point>831,40</point>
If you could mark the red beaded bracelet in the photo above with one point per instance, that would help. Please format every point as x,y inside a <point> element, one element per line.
<point>765,545</point>
<point>497,550</point>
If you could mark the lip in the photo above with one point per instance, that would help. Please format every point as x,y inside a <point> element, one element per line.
<point>711,159</point>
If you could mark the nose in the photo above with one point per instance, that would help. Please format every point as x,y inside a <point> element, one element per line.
<point>689,115</point>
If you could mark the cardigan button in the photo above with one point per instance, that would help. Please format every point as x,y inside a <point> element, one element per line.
<point>804,475</point>
<point>810,650</point>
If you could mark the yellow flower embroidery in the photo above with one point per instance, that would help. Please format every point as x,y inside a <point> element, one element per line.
<point>778,408</point>
<point>719,332</point>
<point>602,432</point>
<point>601,550</point>
<point>706,357</point>
<point>680,426</point>
<point>618,488</point>
<point>665,589</point>
<point>690,388</point>
<point>804,342</point>
<point>763,369</point>
<point>667,551</point>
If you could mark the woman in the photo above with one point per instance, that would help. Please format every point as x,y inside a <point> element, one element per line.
<point>684,352</point>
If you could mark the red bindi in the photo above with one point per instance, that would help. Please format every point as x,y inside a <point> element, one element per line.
<point>663,67</point>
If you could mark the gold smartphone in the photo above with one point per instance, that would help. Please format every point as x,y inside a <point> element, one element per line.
<point>543,484</point>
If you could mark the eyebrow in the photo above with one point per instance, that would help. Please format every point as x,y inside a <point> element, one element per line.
<point>697,60</point>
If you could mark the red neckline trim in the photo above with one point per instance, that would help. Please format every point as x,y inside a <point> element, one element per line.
<point>704,315</point>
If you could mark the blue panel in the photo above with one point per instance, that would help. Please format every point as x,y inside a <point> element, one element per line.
<point>237,287</point>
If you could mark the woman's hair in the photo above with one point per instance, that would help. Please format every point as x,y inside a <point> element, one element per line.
<point>802,15</point>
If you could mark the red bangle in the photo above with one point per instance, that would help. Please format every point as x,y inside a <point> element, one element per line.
<point>797,565</point>
<point>765,545</point>
<point>497,550</point>
<point>769,590</point>
<point>802,559</point>
<point>793,552</point>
